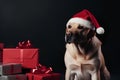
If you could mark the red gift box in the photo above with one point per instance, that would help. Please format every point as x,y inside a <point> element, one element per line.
<point>1,51</point>
<point>51,76</point>
<point>1,56</point>
<point>1,46</point>
<point>27,57</point>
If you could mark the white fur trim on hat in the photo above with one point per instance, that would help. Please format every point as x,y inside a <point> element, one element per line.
<point>81,21</point>
<point>100,30</point>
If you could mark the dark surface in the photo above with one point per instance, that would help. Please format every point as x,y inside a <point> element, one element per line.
<point>113,77</point>
<point>43,23</point>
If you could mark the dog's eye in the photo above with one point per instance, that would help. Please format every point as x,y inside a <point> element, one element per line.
<point>80,27</point>
<point>69,26</point>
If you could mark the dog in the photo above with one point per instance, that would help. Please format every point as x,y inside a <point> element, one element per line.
<point>83,57</point>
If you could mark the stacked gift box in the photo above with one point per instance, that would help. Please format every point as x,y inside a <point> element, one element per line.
<point>1,51</point>
<point>22,63</point>
<point>11,71</point>
<point>27,57</point>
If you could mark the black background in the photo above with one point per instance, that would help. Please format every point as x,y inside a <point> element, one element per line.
<point>43,22</point>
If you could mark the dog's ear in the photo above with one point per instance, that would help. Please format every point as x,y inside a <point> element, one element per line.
<point>91,34</point>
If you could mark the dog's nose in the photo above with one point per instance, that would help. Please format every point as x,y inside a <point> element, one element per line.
<point>69,37</point>
<point>69,34</point>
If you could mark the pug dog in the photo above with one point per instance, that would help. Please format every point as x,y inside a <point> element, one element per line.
<point>83,58</point>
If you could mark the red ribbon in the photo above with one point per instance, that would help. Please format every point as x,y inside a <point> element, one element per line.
<point>24,44</point>
<point>40,69</point>
<point>21,56</point>
<point>49,70</point>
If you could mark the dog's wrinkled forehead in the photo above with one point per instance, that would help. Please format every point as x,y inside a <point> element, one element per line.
<point>75,26</point>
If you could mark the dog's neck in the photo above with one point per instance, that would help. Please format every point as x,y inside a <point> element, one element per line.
<point>86,45</point>
<point>89,46</point>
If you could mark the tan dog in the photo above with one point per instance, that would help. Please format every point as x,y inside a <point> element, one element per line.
<point>83,57</point>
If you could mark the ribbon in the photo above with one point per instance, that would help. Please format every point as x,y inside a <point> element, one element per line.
<point>49,70</point>
<point>21,56</point>
<point>24,44</point>
<point>40,69</point>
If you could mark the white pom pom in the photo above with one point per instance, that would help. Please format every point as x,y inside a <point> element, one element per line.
<point>100,30</point>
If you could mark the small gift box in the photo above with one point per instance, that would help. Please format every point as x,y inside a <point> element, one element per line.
<point>1,46</point>
<point>1,52</point>
<point>27,57</point>
<point>1,56</point>
<point>11,68</point>
<point>14,77</point>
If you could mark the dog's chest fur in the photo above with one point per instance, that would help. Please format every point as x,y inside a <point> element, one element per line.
<point>77,56</point>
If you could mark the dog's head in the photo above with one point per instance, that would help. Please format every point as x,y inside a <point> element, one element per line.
<point>82,27</point>
<point>76,33</point>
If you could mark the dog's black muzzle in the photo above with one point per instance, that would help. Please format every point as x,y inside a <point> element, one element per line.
<point>75,38</point>
<point>69,37</point>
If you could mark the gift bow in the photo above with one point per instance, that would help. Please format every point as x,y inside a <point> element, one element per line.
<point>24,44</point>
<point>40,69</point>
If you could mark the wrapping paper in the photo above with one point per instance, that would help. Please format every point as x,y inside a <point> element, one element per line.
<point>27,57</point>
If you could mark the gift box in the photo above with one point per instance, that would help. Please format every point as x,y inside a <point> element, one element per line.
<point>11,68</point>
<point>1,56</point>
<point>1,52</point>
<point>1,46</point>
<point>27,57</point>
<point>14,77</point>
<point>51,76</point>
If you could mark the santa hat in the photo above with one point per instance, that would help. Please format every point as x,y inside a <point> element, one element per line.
<point>85,18</point>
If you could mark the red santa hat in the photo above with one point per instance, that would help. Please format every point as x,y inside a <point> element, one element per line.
<point>85,18</point>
